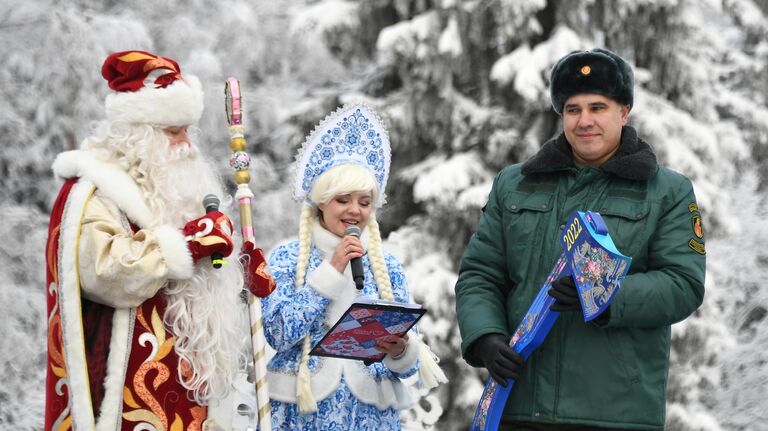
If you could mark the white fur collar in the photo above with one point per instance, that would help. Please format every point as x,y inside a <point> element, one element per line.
<point>326,241</point>
<point>110,179</point>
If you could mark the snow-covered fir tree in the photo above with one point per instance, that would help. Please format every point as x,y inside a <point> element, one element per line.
<point>463,88</point>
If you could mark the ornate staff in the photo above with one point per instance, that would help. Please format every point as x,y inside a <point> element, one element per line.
<point>240,161</point>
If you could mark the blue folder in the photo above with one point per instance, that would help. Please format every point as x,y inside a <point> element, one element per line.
<point>590,255</point>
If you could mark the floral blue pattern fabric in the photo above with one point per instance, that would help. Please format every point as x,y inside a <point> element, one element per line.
<point>290,314</point>
<point>341,411</point>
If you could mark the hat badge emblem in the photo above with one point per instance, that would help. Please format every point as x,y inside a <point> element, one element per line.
<point>585,70</point>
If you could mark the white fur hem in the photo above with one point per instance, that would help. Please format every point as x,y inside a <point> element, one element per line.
<point>384,394</point>
<point>179,104</point>
<point>71,312</point>
<point>175,251</point>
<point>327,281</point>
<point>338,288</point>
<point>282,386</point>
<point>405,362</point>
<point>112,182</point>
<point>112,404</point>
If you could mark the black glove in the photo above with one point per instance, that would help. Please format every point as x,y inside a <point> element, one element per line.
<point>565,294</point>
<point>501,361</point>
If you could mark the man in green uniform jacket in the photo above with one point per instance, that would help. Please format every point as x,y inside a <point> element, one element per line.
<point>610,373</point>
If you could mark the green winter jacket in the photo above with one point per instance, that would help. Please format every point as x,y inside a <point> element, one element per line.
<point>614,374</point>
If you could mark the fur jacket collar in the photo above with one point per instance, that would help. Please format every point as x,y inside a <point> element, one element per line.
<point>634,160</point>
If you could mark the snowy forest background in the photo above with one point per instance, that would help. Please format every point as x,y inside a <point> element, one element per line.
<point>463,88</point>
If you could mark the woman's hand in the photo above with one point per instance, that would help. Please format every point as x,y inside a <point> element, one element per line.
<point>349,248</point>
<point>393,345</point>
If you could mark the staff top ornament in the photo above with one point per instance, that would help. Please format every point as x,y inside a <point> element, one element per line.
<point>352,134</point>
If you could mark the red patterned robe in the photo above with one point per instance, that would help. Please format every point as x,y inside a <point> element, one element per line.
<point>111,367</point>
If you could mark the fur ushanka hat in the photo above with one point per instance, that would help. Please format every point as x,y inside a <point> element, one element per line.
<point>598,71</point>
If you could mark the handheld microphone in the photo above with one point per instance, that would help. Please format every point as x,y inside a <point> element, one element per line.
<point>211,204</point>
<point>356,263</point>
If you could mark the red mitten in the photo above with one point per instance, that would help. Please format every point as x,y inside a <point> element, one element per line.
<point>257,279</point>
<point>209,234</point>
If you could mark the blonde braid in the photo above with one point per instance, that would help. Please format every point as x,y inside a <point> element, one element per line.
<point>376,257</point>
<point>306,222</point>
<point>430,373</point>
<point>304,397</point>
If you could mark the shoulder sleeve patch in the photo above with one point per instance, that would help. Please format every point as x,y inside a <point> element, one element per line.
<point>698,230</point>
<point>697,246</point>
<point>696,227</point>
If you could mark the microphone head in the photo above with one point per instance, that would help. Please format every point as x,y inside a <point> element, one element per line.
<point>352,230</point>
<point>211,202</point>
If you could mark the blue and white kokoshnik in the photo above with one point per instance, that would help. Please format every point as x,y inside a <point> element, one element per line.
<point>353,133</point>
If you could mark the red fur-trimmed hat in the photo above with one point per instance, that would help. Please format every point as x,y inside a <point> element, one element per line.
<point>150,89</point>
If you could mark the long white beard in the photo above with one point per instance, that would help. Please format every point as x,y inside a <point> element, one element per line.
<point>204,313</point>
<point>207,316</point>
